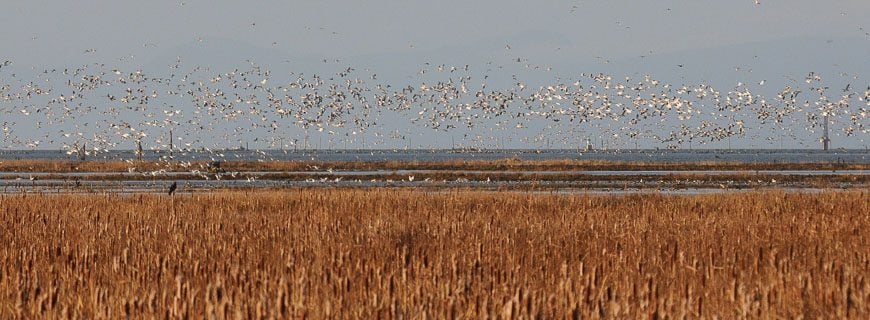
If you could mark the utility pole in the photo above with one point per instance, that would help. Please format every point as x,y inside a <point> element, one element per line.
<point>139,149</point>
<point>83,151</point>
<point>170,143</point>
<point>826,138</point>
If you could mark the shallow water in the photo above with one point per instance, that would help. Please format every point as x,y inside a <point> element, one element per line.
<point>609,187</point>
<point>133,183</point>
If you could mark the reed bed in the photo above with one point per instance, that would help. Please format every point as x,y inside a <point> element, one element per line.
<point>61,166</point>
<point>388,253</point>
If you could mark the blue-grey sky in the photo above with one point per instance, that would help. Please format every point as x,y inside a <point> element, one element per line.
<point>42,32</point>
<point>720,42</point>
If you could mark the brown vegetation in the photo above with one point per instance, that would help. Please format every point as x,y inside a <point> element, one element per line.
<point>377,253</point>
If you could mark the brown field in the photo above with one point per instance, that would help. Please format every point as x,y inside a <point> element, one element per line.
<point>60,166</point>
<point>387,253</point>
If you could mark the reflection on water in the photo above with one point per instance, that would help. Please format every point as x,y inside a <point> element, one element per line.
<point>134,182</point>
<point>609,187</point>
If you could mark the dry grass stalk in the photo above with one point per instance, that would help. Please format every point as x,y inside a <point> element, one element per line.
<point>404,253</point>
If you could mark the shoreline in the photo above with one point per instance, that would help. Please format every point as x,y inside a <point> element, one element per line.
<point>510,165</point>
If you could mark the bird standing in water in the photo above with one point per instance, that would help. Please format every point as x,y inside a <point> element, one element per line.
<point>172,188</point>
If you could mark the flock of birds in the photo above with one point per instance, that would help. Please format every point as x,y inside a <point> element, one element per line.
<point>94,108</point>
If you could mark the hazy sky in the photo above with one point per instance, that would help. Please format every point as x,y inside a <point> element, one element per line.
<point>46,32</point>
<point>778,39</point>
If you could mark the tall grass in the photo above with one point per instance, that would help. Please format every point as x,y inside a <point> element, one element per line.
<point>378,253</point>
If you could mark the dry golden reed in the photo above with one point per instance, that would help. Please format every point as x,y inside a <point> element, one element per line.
<point>380,253</point>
